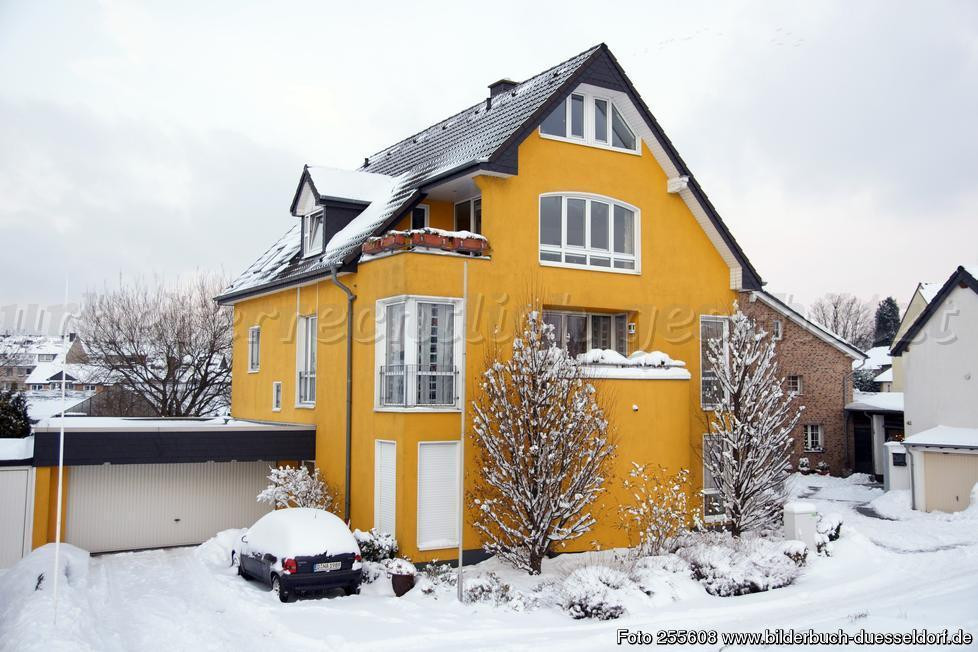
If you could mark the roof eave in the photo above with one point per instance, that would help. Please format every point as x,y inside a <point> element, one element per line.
<point>960,276</point>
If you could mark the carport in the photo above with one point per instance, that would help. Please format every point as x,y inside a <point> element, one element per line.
<point>134,483</point>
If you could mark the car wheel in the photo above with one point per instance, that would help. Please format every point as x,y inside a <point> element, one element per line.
<point>241,572</point>
<point>283,595</point>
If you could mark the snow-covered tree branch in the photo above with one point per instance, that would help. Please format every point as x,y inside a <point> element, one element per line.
<point>543,445</point>
<point>747,455</point>
<point>661,509</point>
<point>296,487</point>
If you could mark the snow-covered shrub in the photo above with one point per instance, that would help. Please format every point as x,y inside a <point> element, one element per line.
<point>543,449</point>
<point>726,565</point>
<point>435,576</point>
<point>661,577</point>
<point>750,427</point>
<point>400,566</point>
<point>486,588</point>
<point>822,467</point>
<point>796,551</point>
<point>830,525</point>
<point>593,592</point>
<point>804,466</point>
<point>376,546</point>
<point>373,571</point>
<point>661,510</point>
<point>296,487</point>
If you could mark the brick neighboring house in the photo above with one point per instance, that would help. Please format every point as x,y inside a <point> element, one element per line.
<point>819,364</point>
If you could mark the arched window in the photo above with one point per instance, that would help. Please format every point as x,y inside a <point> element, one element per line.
<point>585,230</point>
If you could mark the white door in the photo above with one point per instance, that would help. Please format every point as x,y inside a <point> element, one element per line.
<point>385,486</point>
<point>134,506</point>
<point>16,496</point>
<point>437,495</point>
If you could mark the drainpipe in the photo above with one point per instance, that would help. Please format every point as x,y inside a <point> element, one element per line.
<point>350,297</point>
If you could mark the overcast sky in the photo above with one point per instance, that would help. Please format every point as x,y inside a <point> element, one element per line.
<point>839,141</point>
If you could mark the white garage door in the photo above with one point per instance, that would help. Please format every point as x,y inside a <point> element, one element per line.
<point>134,506</point>
<point>15,513</point>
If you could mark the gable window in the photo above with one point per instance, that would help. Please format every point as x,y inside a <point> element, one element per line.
<point>813,437</point>
<point>418,352</point>
<point>312,233</point>
<point>468,215</point>
<point>254,348</point>
<point>794,385</point>
<point>588,231</point>
<point>305,364</point>
<point>713,509</point>
<point>419,217</point>
<point>777,329</point>
<point>592,120</point>
<point>712,327</point>
<point>277,396</point>
<point>580,332</point>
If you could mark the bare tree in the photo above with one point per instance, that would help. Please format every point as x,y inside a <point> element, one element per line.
<point>749,444</point>
<point>543,447</point>
<point>169,344</point>
<point>847,316</point>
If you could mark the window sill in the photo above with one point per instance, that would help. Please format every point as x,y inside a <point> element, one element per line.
<point>253,371</point>
<point>418,409</point>
<point>814,450</point>
<point>588,268</point>
<point>593,144</point>
<point>276,409</point>
<point>305,406</point>
<point>439,546</point>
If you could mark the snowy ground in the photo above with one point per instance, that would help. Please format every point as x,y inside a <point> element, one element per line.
<point>916,571</point>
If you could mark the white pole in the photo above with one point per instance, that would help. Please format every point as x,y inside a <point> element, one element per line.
<point>461,438</point>
<point>61,450</point>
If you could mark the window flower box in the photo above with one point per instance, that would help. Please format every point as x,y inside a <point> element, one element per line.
<point>372,246</point>
<point>427,239</point>
<point>393,240</point>
<point>471,245</point>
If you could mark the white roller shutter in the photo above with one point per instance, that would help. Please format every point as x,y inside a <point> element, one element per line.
<point>385,486</point>
<point>133,506</point>
<point>437,495</point>
<point>16,494</point>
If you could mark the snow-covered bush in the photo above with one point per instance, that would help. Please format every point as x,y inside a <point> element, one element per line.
<point>543,449</point>
<point>400,566</point>
<point>726,565</point>
<point>434,576</point>
<point>594,592</point>
<point>796,551</point>
<point>376,546</point>
<point>660,576</point>
<point>486,588</point>
<point>750,427</point>
<point>804,466</point>
<point>661,510</point>
<point>822,467</point>
<point>372,571</point>
<point>295,487</point>
<point>830,525</point>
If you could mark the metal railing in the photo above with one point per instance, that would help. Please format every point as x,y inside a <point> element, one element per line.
<point>418,385</point>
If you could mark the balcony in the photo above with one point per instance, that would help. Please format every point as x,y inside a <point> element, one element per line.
<point>405,386</point>
<point>431,239</point>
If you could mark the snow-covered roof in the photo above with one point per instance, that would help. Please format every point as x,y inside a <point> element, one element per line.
<point>45,372</point>
<point>353,185</point>
<point>876,358</point>
<point>155,424</point>
<point>945,436</point>
<point>16,448</point>
<point>884,377</point>
<point>876,402</point>
<point>965,276</point>
<point>45,404</point>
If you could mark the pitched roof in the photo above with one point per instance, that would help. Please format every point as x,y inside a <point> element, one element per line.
<point>963,276</point>
<point>482,136</point>
<point>818,330</point>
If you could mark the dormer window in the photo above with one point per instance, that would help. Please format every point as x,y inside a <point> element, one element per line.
<point>312,233</point>
<point>590,120</point>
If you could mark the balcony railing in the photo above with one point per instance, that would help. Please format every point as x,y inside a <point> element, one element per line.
<point>459,242</point>
<point>418,385</point>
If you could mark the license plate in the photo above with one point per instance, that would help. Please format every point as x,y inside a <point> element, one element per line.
<point>326,566</point>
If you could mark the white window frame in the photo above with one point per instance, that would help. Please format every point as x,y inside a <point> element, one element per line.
<point>819,431</point>
<point>471,201</point>
<point>421,544</point>
<point>590,332</point>
<point>801,384</point>
<point>586,250</point>
<point>411,312</point>
<point>277,396</point>
<point>306,356</point>
<point>377,444</point>
<point>726,335</point>
<point>709,518</point>
<point>318,214</point>
<point>427,216</point>
<point>778,330</point>
<point>254,349</point>
<point>589,138</point>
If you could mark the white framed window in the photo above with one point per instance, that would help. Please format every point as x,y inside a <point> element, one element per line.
<point>578,332</point>
<point>777,329</point>
<point>45,357</point>
<point>437,495</point>
<point>712,327</point>
<point>468,215</point>
<point>589,231</point>
<point>254,348</point>
<point>89,388</point>
<point>418,353</point>
<point>305,360</point>
<point>592,120</point>
<point>312,233</point>
<point>794,384</point>
<point>277,396</point>
<point>813,437</point>
<point>419,217</point>
<point>713,508</point>
<point>385,486</point>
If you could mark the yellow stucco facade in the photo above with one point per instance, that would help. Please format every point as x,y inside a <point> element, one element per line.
<point>659,421</point>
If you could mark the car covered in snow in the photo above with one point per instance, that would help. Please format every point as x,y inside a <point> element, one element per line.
<point>298,551</point>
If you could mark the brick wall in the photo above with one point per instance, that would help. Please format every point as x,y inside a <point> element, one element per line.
<point>823,369</point>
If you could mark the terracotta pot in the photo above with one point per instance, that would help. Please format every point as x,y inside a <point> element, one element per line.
<point>432,240</point>
<point>402,584</point>
<point>474,245</point>
<point>449,243</point>
<point>371,246</point>
<point>391,241</point>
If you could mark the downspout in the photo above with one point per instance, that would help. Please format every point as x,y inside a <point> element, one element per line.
<point>350,298</point>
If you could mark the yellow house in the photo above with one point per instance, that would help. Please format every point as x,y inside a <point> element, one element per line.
<point>372,317</point>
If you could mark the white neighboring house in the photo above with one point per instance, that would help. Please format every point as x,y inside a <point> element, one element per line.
<point>939,355</point>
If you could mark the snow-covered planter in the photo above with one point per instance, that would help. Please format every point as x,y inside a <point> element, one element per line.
<point>593,592</point>
<point>822,468</point>
<point>402,574</point>
<point>376,546</point>
<point>726,565</point>
<point>804,466</point>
